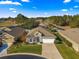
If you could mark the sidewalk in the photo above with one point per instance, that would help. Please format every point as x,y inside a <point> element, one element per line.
<point>50,51</point>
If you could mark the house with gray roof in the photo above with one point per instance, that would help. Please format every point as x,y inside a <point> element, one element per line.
<point>17,33</point>
<point>39,34</point>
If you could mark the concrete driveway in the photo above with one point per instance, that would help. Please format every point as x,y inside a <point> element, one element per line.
<point>50,51</point>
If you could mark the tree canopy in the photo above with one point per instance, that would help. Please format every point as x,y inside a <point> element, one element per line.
<point>66,20</point>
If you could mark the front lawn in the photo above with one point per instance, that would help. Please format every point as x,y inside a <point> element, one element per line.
<point>26,48</point>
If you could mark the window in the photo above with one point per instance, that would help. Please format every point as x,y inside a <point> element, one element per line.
<point>30,39</point>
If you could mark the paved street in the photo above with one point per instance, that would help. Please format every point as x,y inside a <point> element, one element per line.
<point>50,51</point>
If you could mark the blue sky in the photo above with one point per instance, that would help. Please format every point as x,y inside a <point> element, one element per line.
<point>37,8</point>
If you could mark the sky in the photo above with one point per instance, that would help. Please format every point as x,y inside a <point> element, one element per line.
<point>38,8</point>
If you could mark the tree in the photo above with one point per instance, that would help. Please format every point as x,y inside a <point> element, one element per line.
<point>21,18</point>
<point>75,21</point>
<point>29,24</point>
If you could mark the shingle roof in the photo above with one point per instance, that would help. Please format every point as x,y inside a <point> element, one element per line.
<point>43,31</point>
<point>16,32</point>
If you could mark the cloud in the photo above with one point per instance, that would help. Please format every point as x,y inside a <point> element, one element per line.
<point>66,1</point>
<point>25,0</point>
<point>12,9</point>
<point>10,2</point>
<point>64,10</point>
<point>76,6</point>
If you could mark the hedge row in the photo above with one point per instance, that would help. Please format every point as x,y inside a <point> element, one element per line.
<point>62,39</point>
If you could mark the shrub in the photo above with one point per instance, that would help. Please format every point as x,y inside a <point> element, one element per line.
<point>60,38</point>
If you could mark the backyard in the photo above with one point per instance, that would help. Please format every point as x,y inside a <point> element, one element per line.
<point>66,51</point>
<point>26,48</point>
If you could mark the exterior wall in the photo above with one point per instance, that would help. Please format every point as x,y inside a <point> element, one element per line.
<point>29,40</point>
<point>38,34</point>
<point>9,39</point>
<point>23,37</point>
<point>42,39</point>
<point>33,40</point>
<point>76,47</point>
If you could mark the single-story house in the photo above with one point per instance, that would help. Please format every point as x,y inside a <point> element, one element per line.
<point>72,35</point>
<point>40,35</point>
<point>15,34</point>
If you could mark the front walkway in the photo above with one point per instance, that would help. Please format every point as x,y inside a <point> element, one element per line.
<point>50,51</point>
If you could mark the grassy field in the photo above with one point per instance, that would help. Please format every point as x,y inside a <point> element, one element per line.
<point>26,48</point>
<point>6,23</point>
<point>66,51</point>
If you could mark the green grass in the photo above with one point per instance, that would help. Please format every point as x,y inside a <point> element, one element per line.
<point>26,48</point>
<point>6,23</point>
<point>67,52</point>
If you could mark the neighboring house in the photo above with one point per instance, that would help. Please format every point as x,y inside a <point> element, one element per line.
<point>72,35</point>
<point>39,35</point>
<point>18,33</point>
<point>8,38</point>
<point>11,35</point>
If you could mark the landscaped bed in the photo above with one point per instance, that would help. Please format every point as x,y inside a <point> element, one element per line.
<point>26,48</point>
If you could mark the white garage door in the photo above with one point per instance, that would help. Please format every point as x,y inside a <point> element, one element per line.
<point>48,40</point>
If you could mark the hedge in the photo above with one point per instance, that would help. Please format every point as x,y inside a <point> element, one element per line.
<point>63,40</point>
